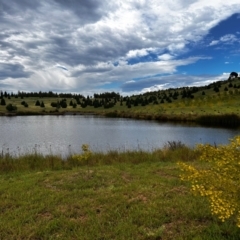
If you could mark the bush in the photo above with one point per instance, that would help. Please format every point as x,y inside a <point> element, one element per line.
<point>218,179</point>
<point>55,104</point>
<point>11,108</point>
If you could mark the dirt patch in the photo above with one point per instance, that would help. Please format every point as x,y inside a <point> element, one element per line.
<point>139,198</point>
<point>165,174</point>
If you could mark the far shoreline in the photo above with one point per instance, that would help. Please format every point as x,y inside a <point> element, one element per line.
<point>211,120</point>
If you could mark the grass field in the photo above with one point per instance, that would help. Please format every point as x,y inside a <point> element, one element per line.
<point>117,195</point>
<point>212,103</point>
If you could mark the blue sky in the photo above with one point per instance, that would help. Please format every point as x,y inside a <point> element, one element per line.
<point>222,44</point>
<point>130,47</point>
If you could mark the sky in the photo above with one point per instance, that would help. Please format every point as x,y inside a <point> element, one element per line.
<point>125,46</point>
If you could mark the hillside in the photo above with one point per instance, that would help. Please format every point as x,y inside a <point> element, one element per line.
<point>176,104</point>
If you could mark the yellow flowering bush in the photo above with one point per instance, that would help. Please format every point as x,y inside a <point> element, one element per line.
<point>217,178</point>
<point>84,157</point>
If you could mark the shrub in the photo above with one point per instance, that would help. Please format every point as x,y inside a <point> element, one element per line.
<point>55,104</point>
<point>218,179</point>
<point>84,157</point>
<point>10,107</point>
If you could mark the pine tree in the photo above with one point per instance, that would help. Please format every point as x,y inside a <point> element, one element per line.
<point>37,103</point>
<point>3,101</point>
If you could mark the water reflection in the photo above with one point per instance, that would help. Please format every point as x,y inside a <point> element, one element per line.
<point>65,134</point>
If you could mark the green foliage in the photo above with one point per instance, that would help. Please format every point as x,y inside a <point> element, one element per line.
<point>37,103</point>
<point>84,157</point>
<point>63,103</point>
<point>74,105</point>
<point>218,180</point>
<point>3,102</point>
<point>11,107</point>
<point>42,104</point>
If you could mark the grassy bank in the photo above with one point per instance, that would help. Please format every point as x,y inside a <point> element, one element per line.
<point>216,104</point>
<point>117,195</point>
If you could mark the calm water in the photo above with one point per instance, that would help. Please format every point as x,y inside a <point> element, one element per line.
<point>65,134</point>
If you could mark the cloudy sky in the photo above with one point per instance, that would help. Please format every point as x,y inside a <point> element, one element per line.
<point>126,46</point>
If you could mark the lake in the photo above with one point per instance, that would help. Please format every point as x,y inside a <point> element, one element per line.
<point>65,134</point>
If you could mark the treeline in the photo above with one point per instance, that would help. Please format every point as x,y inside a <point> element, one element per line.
<point>39,94</point>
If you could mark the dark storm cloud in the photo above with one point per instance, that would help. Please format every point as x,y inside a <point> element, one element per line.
<point>13,71</point>
<point>11,6</point>
<point>87,10</point>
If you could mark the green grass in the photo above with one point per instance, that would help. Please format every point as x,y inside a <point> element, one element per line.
<point>117,195</point>
<point>212,103</point>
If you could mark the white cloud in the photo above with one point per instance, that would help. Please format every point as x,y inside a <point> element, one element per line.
<point>88,38</point>
<point>165,57</point>
<point>226,39</point>
<point>214,42</point>
<point>139,52</point>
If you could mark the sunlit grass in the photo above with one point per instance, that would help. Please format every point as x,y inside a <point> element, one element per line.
<point>212,103</point>
<point>114,195</point>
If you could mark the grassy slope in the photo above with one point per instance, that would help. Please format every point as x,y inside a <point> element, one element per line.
<point>132,195</point>
<point>211,103</point>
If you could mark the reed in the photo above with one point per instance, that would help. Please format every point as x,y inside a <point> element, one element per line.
<point>225,120</point>
<point>35,161</point>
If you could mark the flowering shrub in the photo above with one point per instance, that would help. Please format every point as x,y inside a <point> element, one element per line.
<point>218,179</point>
<point>85,155</point>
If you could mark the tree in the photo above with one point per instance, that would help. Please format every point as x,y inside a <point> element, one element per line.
<point>3,103</point>
<point>63,103</point>
<point>42,104</point>
<point>74,105</point>
<point>216,89</point>
<point>37,103</point>
<point>233,75</point>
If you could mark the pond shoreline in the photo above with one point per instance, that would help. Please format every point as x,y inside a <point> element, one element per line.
<point>225,120</point>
